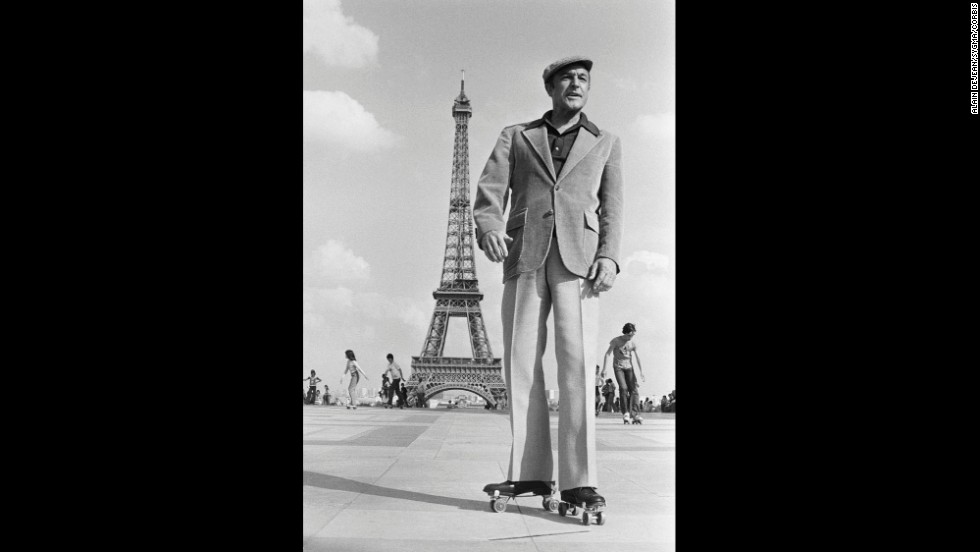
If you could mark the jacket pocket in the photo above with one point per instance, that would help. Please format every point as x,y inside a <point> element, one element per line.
<point>515,229</point>
<point>592,222</point>
<point>590,236</point>
<point>517,219</point>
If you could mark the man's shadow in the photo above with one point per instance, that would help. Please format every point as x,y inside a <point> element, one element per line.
<point>326,481</point>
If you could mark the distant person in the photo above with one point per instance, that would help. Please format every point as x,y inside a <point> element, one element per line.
<point>623,349</point>
<point>397,385</point>
<point>663,403</point>
<point>598,390</point>
<point>355,372</point>
<point>608,395</point>
<point>420,391</point>
<point>311,392</point>
<point>672,401</point>
<point>317,400</point>
<point>385,393</point>
<point>326,394</point>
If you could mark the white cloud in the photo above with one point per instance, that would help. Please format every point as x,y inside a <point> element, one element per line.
<point>334,37</point>
<point>654,262</point>
<point>338,119</point>
<point>660,125</point>
<point>334,261</point>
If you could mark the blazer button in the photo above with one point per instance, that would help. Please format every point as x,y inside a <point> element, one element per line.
<point>548,214</point>
<point>557,188</point>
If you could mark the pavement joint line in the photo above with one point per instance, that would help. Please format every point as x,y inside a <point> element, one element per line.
<point>540,535</point>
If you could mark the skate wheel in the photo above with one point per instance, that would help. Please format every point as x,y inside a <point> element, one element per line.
<point>600,519</point>
<point>586,518</point>
<point>562,509</point>
<point>498,505</point>
<point>552,505</point>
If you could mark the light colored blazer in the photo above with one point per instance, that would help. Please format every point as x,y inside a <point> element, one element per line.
<point>582,206</point>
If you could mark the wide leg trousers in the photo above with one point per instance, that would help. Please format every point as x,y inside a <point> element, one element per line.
<point>527,302</point>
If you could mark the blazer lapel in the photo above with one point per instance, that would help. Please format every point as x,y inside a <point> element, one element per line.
<point>584,143</point>
<point>538,139</point>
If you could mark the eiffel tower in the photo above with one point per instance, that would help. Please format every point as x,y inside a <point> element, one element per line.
<point>459,292</point>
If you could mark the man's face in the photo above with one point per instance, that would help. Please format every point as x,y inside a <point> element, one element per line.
<point>569,88</point>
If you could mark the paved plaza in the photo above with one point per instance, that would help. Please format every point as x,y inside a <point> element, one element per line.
<point>377,479</point>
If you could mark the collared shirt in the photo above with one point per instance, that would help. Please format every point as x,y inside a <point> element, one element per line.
<point>560,144</point>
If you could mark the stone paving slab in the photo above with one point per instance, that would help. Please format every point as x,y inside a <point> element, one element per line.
<point>379,479</point>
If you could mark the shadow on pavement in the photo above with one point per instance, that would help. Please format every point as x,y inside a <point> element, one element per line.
<point>325,481</point>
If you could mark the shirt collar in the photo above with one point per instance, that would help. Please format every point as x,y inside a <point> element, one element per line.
<point>583,122</point>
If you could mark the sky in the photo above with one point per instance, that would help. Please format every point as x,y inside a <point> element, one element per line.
<point>379,79</point>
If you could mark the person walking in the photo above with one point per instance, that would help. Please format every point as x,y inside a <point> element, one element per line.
<point>385,391</point>
<point>608,395</point>
<point>395,372</point>
<point>559,245</point>
<point>311,392</point>
<point>623,349</point>
<point>420,391</point>
<point>355,372</point>
<point>598,390</point>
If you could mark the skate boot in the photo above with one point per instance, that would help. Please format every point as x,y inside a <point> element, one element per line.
<point>627,419</point>
<point>638,419</point>
<point>502,493</point>
<point>591,503</point>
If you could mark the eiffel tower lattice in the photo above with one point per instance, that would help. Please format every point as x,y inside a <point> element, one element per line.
<point>458,293</point>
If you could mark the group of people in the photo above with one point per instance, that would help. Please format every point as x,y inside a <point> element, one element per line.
<point>607,400</point>
<point>393,383</point>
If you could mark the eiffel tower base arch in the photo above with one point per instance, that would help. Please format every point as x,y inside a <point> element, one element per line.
<point>480,376</point>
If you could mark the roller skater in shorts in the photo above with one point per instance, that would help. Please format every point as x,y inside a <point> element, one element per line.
<point>623,348</point>
<point>311,392</point>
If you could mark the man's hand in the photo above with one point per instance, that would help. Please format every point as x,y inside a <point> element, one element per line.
<point>603,271</point>
<point>495,245</point>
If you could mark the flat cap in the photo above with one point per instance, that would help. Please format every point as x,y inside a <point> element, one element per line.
<point>550,70</point>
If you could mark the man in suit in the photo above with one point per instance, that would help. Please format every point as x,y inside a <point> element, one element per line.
<point>560,246</point>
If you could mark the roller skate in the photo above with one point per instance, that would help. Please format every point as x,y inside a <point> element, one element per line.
<point>637,419</point>
<point>502,493</point>
<point>627,419</point>
<point>592,504</point>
